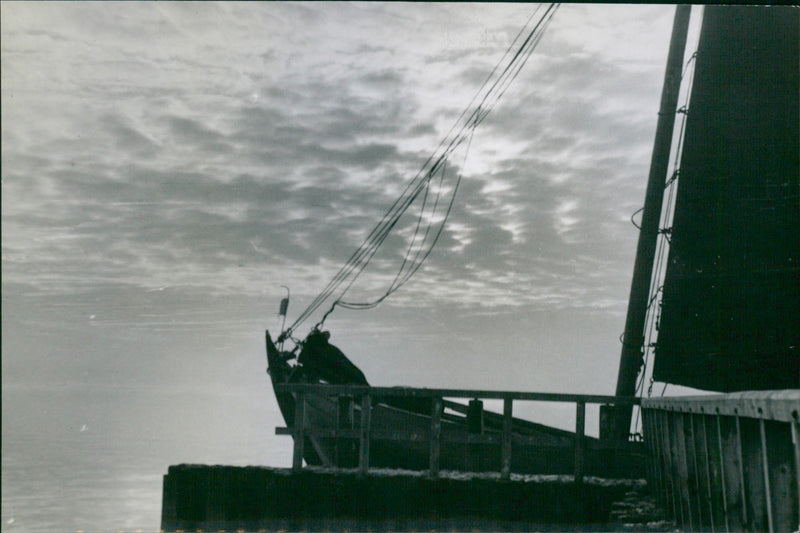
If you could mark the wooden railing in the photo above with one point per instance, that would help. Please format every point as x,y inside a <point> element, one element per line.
<point>727,462</point>
<point>370,396</point>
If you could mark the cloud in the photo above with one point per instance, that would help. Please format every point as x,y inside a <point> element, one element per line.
<point>169,166</point>
<point>177,157</point>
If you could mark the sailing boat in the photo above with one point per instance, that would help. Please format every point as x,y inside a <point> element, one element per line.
<point>731,298</point>
<point>542,449</point>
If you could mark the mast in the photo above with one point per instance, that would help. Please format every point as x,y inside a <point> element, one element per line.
<point>633,338</point>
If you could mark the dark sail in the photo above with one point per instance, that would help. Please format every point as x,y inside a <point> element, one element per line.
<point>731,303</point>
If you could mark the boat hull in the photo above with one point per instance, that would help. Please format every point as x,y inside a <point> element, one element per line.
<point>535,448</point>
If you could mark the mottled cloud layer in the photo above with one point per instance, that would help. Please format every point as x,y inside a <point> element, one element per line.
<point>168,166</point>
<point>233,148</point>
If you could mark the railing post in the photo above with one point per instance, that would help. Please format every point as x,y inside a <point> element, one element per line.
<point>740,455</point>
<point>344,446</point>
<point>666,463</point>
<point>696,470</point>
<point>650,474</point>
<point>363,450</point>
<point>676,431</point>
<point>655,445</point>
<point>722,472</point>
<point>580,428</point>
<point>795,424</point>
<point>709,492</point>
<point>505,452</point>
<point>436,430</point>
<point>765,464</point>
<point>666,450</point>
<point>651,437</point>
<point>299,431</point>
<point>687,492</point>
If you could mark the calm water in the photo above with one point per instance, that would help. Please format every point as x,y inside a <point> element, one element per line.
<point>93,460</point>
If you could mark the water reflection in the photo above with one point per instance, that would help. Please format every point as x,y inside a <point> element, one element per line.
<point>93,460</point>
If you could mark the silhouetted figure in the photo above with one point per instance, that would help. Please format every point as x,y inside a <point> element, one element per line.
<point>324,360</point>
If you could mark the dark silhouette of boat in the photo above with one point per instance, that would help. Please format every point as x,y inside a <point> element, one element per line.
<point>538,449</point>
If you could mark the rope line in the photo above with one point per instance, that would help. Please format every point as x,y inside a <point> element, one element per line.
<point>656,283</point>
<point>653,316</point>
<point>418,189</point>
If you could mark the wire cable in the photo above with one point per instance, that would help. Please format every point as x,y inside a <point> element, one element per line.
<point>487,96</point>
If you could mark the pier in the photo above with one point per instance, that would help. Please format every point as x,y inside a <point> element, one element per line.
<point>726,462</point>
<point>580,481</point>
<point>213,498</point>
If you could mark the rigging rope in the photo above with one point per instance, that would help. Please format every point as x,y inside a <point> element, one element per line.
<point>654,305</point>
<point>653,315</point>
<point>487,96</point>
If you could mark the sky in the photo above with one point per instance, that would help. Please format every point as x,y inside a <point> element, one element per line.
<point>168,167</point>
